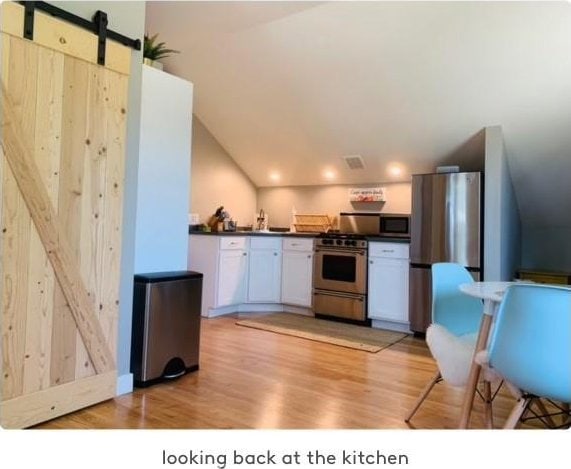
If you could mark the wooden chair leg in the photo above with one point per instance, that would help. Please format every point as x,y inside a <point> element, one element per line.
<point>566,416</point>
<point>517,412</point>
<point>423,395</point>
<point>544,412</point>
<point>488,411</point>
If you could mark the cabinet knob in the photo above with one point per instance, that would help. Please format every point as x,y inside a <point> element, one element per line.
<point>275,253</point>
<point>370,262</point>
<point>309,256</point>
<point>244,253</point>
<point>388,250</point>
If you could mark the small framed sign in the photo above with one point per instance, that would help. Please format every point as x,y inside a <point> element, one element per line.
<point>369,194</point>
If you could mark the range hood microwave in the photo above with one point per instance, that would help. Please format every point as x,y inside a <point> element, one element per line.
<point>374,223</point>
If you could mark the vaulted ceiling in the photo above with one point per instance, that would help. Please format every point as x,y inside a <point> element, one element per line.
<point>291,87</point>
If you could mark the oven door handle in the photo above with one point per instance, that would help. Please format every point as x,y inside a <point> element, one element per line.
<point>341,251</point>
<point>341,295</point>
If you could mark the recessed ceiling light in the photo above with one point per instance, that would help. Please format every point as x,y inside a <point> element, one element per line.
<point>329,174</point>
<point>275,176</point>
<point>395,170</point>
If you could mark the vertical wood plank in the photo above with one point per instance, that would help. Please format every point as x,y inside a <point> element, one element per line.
<point>41,281</point>
<point>22,67</point>
<point>116,123</point>
<point>93,204</point>
<point>73,154</point>
<point>4,220</point>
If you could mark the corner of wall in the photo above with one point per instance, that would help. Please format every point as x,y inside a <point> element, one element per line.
<point>502,225</point>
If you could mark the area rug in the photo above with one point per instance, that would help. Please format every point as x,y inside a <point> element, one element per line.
<point>321,330</point>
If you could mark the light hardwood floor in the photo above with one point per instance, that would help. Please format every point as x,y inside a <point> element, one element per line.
<point>257,379</point>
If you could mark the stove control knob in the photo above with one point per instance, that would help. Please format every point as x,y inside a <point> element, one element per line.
<point>339,242</point>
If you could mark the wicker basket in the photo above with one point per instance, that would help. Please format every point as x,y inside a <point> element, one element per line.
<point>312,223</point>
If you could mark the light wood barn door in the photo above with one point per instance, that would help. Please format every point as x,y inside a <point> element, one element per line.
<point>61,173</point>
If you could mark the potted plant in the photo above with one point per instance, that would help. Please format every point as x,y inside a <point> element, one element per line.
<point>153,51</point>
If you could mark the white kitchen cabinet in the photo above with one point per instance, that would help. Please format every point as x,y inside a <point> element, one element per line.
<point>223,260</point>
<point>297,272</point>
<point>388,282</point>
<point>232,277</point>
<point>265,265</point>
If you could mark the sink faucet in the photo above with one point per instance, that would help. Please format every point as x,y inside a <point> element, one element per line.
<point>262,220</point>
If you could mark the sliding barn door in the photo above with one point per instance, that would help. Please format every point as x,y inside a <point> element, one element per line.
<point>61,173</point>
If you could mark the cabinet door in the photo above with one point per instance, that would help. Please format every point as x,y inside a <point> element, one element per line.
<point>232,277</point>
<point>388,289</point>
<point>264,276</point>
<point>297,278</point>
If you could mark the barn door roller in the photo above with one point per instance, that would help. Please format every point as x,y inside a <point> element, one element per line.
<point>98,26</point>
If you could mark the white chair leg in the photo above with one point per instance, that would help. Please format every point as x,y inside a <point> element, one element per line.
<point>423,395</point>
<point>488,412</point>
<point>517,412</point>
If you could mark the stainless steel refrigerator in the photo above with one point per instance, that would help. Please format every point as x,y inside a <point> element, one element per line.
<point>446,226</point>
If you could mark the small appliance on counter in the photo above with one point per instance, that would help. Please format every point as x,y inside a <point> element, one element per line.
<point>262,221</point>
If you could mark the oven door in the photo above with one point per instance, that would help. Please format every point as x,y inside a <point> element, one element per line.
<point>340,270</point>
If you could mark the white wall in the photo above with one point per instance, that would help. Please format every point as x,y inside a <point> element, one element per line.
<point>502,227</point>
<point>127,18</point>
<point>218,180</point>
<point>161,242</point>
<point>277,202</point>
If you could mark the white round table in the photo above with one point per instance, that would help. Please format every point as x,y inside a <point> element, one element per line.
<point>491,292</point>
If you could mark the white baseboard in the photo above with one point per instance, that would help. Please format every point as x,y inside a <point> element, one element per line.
<point>299,310</point>
<point>259,308</point>
<point>391,326</point>
<point>124,384</point>
<point>215,312</point>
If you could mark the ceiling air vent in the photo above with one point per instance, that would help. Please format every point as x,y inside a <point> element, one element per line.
<point>354,161</point>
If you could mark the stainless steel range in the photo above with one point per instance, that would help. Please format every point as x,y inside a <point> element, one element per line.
<point>340,277</point>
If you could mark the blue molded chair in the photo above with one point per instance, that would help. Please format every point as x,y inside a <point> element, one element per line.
<point>452,335</point>
<point>531,346</point>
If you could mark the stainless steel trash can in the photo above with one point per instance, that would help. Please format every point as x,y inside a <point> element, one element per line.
<point>166,325</point>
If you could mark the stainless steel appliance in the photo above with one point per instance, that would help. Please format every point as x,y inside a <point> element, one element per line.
<point>340,277</point>
<point>359,222</point>
<point>395,225</point>
<point>446,226</point>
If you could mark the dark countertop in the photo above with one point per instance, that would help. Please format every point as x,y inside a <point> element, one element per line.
<point>386,239</point>
<point>254,233</point>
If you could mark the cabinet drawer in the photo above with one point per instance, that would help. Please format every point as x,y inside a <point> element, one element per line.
<point>298,244</point>
<point>393,250</point>
<point>233,242</point>
<point>262,242</point>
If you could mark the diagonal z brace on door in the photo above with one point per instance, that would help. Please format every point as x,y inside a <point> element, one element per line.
<point>53,238</point>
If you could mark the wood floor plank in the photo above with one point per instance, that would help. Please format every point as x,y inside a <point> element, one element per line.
<point>255,379</point>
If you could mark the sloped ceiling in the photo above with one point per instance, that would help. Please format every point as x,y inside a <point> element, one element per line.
<point>292,87</point>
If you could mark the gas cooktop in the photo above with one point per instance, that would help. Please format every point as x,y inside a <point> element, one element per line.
<point>337,239</point>
<point>340,235</point>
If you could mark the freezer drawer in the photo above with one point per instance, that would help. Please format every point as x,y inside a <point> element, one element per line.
<point>352,307</point>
